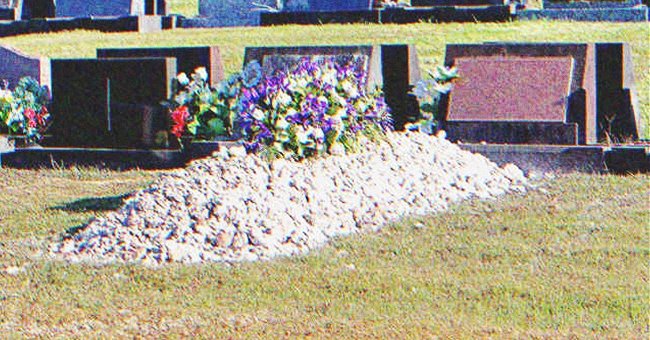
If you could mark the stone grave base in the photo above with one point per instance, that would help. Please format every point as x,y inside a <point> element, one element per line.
<point>632,14</point>
<point>532,159</point>
<point>391,16</point>
<point>142,24</point>
<point>541,159</point>
<point>104,158</point>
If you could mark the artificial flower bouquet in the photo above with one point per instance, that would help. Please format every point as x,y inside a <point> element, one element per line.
<point>23,111</point>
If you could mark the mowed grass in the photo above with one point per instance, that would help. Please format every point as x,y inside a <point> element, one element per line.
<point>569,259</point>
<point>429,39</point>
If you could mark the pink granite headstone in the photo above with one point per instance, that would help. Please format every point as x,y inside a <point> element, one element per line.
<point>511,89</point>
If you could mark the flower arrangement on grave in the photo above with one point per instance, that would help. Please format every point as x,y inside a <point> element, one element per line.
<point>23,111</point>
<point>429,92</point>
<point>315,107</point>
<point>198,110</point>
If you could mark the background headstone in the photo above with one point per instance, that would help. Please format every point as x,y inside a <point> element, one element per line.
<point>393,68</point>
<point>10,9</point>
<point>434,3</point>
<point>327,6</point>
<point>187,58</point>
<point>37,9</point>
<point>88,8</point>
<point>110,103</point>
<point>581,99</point>
<point>15,65</point>
<point>215,13</point>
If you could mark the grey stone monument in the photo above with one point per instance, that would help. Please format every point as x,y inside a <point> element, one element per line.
<point>16,65</point>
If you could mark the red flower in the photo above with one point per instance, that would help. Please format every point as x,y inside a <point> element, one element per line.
<point>42,116</point>
<point>179,117</point>
<point>30,115</point>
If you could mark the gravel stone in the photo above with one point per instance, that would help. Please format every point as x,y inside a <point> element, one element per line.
<point>235,207</point>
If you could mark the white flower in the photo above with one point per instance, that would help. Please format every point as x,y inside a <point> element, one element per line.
<point>258,114</point>
<point>361,106</point>
<point>281,124</point>
<point>282,99</point>
<point>202,73</point>
<point>302,136</point>
<point>330,77</point>
<point>183,79</point>
<point>350,89</point>
<point>303,82</point>
<point>318,134</point>
<point>291,112</point>
<point>421,89</point>
<point>442,88</point>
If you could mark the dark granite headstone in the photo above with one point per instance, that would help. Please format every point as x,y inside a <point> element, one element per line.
<point>394,68</point>
<point>35,9</point>
<point>511,89</point>
<point>9,10</point>
<point>327,6</point>
<point>581,106</point>
<point>109,103</point>
<point>618,108</point>
<point>187,58</point>
<point>88,8</point>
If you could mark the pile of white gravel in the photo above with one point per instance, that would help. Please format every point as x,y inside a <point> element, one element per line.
<point>237,207</point>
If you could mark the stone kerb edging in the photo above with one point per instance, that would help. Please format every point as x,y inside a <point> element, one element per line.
<point>236,207</point>
<point>591,4</point>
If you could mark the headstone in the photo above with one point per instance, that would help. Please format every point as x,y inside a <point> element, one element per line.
<point>501,92</point>
<point>393,68</point>
<point>187,58</point>
<point>581,99</point>
<point>110,103</point>
<point>215,13</point>
<point>278,57</point>
<point>16,65</point>
<point>327,6</point>
<point>9,9</point>
<point>435,3</point>
<point>617,103</point>
<point>511,89</point>
<point>116,8</point>
<point>37,9</point>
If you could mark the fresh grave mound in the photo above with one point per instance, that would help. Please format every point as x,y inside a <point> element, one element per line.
<point>237,207</point>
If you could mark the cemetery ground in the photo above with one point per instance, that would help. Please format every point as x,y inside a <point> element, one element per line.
<point>569,258</point>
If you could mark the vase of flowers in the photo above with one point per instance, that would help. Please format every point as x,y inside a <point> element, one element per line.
<point>200,113</point>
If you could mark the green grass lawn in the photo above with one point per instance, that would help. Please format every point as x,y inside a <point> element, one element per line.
<point>568,260</point>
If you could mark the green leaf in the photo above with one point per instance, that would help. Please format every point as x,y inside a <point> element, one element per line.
<point>193,126</point>
<point>217,127</point>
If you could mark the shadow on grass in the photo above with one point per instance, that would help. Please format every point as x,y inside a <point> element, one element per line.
<point>93,204</point>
